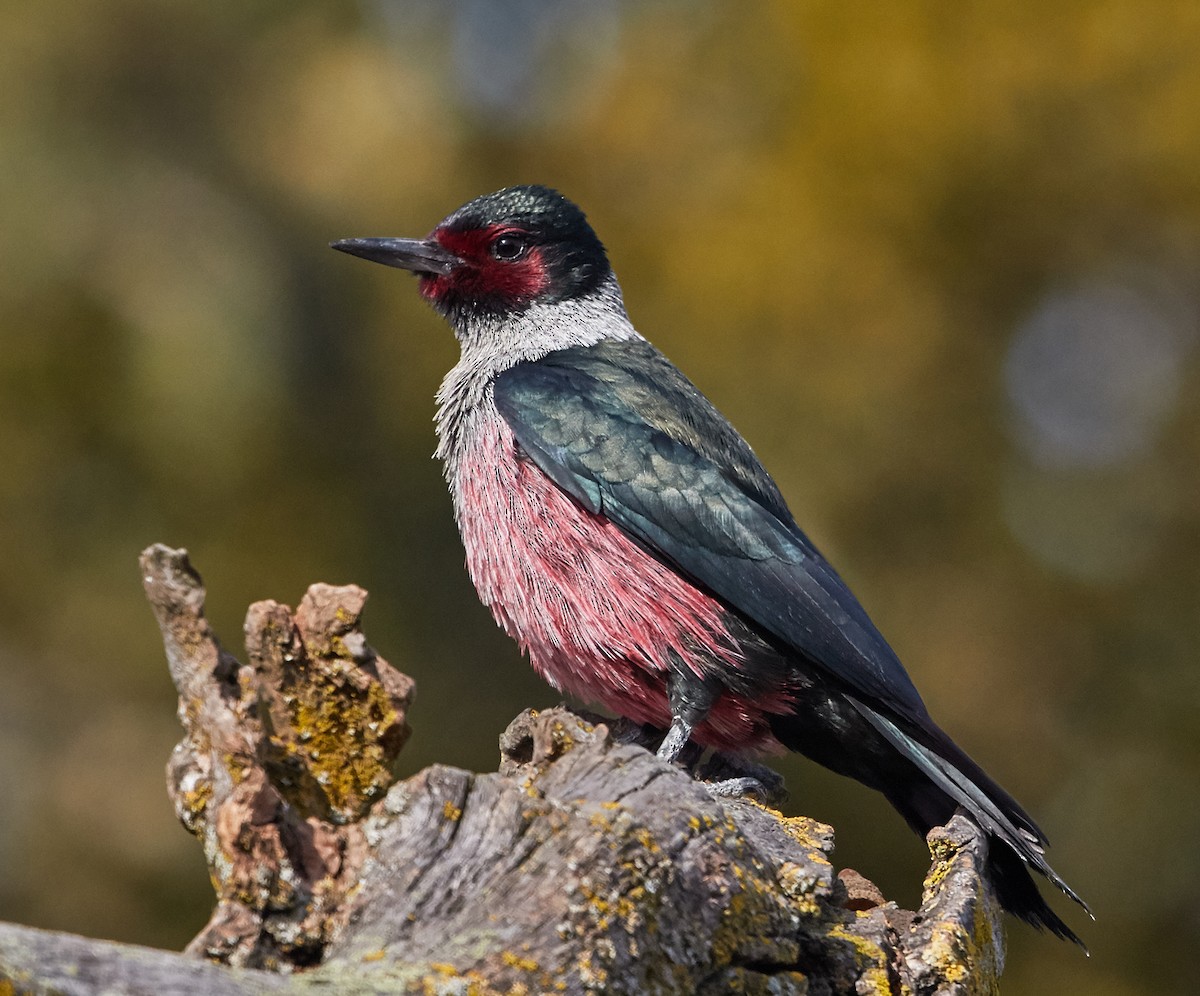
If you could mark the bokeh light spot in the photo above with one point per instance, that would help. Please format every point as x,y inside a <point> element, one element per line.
<point>1094,372</point>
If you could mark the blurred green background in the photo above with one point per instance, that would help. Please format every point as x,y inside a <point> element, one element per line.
<point>938,261</point>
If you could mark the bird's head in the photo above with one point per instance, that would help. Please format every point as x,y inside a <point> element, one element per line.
<point>499,255</point>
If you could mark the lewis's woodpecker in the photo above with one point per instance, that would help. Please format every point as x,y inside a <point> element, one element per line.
<point>626,536</point>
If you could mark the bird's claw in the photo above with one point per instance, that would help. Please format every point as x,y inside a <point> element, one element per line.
<point>738,788</point>
<point>625,731</point>
<point>730,777</point>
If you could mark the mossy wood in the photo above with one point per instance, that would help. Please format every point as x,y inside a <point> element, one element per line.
<point>584,865</point>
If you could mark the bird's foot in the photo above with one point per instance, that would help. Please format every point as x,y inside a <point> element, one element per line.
<point>725,777</point>
<point>729,777</point>
<point>739,788</point>
<point>625,731</point>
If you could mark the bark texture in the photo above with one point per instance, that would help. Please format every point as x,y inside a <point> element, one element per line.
<point>584,864</point>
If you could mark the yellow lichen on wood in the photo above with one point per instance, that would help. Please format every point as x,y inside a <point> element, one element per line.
<point>800,887</point>
<point>333,738</point>
<point>871,961</point>
<point>514,960</point>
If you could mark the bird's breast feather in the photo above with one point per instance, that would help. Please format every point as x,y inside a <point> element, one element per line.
<point>609,430</point>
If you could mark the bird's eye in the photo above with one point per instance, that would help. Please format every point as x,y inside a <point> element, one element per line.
<point>509,247</point>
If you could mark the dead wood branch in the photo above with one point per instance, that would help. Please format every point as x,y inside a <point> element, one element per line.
<point>583,865</point>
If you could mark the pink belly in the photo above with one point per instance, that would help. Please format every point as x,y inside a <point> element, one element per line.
<point>596,614</point>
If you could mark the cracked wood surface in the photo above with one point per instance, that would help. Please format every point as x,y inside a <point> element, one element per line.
<point>584,864</point>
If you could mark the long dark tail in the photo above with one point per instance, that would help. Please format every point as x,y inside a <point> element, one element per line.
<point>949,779</point>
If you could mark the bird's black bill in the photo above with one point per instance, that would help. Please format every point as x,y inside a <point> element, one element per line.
<point>417,255</point>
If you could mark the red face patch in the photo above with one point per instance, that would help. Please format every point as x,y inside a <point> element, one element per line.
<point>487,272</point>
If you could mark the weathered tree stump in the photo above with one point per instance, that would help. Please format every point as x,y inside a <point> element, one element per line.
<point>584,865</point>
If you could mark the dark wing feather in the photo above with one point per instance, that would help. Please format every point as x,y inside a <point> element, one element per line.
<point>619,428</point>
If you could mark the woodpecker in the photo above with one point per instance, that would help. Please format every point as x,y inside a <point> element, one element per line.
<point>622,531</point>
